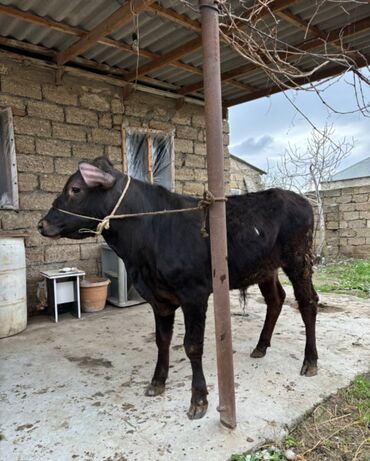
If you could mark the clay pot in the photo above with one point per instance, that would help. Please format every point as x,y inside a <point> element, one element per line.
<point>93,291</point>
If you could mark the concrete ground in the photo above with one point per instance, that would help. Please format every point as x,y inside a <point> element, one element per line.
<point>74,390</point>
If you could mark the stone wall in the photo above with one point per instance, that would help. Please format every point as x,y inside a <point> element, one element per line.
<point>56,126</point>
<point>347,218</point>
<point>243,176</point>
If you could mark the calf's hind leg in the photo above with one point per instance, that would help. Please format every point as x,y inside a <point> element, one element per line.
<point>274,296</point>
<point>163,333</point>
<point>300,274</point>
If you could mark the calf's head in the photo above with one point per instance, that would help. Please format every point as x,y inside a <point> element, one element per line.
<point>89,192</point>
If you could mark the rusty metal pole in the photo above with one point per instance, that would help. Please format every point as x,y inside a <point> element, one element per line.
<point>217,213</point>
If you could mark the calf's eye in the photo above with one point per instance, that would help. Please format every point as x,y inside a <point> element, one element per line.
<point>76,190</point>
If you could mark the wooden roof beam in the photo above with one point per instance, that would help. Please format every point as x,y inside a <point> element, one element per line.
<point>166,59</point>
<point>115,20</point>
<point>179,19</point>
<point>60,27</point>
<point>192,46</point>
<point>309,45</point>
<point>326,73</point>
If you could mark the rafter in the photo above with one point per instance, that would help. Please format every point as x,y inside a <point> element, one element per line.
<point>60,27</point>
<point>179,19</point>
<point>167,58</point>
<point>326,73</point>
<point>308,45</point>
<point>115,20</point>
<point>193,45</point>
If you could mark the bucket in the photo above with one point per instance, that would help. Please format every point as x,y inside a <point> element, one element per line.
<point>13,298</point>
<point>94,292</point>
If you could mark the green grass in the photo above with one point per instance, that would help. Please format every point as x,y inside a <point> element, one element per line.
<point>348,277</point>
<point>351,277</point>
<point>358,395</point>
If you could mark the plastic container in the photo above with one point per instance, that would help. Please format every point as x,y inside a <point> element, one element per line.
<point>93,293</point>
<point>13,297</point>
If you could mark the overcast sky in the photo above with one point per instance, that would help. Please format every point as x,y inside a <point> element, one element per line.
<point>261,129</point>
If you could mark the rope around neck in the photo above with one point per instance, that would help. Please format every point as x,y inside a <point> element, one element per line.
<point>104,224</point>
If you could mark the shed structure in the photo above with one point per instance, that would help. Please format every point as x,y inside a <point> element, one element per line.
<point>77,75</point>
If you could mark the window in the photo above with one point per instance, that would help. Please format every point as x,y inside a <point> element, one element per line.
<point>150,156</point>
<point>8,168</point>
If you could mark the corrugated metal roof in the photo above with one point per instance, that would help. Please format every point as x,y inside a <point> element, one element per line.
<point>358,170</point>
<point>158,35</point>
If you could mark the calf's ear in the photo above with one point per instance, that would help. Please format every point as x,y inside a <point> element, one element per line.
<point>94,176</point>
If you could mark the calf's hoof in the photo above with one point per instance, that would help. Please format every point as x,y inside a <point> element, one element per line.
<point>309,369</point>
<point>258,353</point>
<point>197,410</point>
<point>154,389</point>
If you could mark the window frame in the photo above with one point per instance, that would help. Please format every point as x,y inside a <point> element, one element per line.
<point>10,159</point>
<point>148,132</point>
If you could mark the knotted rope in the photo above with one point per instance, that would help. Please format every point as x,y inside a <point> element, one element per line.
<point>104,224</point>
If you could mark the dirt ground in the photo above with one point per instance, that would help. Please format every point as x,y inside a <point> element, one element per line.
<point>74,390</point>
<point>338,428</point>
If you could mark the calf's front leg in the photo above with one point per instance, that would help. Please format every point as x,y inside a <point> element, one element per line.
<point>195,318</point>
<point>163,334</point>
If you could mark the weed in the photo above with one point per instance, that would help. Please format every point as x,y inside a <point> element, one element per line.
<point>358,395</point>
<point>351,277</point>
<point>290,442</point>
<point>265,454</point>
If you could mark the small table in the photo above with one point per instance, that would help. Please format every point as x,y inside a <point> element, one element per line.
<point>63,287</point>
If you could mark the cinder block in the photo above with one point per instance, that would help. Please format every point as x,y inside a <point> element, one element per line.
<point>90,251</point>
<point>184,145</point>
<point>24,144</point>
<point>79,116</point>
<point>104,136</point>
<point>60,95</point>
<point>53,182</point>
<point>105,120</point>
<point>45,110</point>
<point>53,147</point>
<point>13,102</point>
<point>36,200</point>
<point>66,166</point>
<point>187,132</point>
<point>62,253</point>
<point>29,163</point>
<point>27,89</point>
<point>69,132</point>
<point>198,121</point>
<point>192,188</point>
<point>32,126</point>
<point>95,102</point>
<point>27,182</point>
<point>87,151</point>
<point>13,220</point>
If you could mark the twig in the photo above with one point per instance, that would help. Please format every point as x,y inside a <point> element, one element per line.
<point>367,439</point>
<point>324,439</point>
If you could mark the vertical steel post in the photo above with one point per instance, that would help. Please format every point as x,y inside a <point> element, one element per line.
<point>217,213</point>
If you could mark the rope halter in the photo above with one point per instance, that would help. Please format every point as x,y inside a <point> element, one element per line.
<point>104,224</point>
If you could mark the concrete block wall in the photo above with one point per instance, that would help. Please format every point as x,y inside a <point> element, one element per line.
<point>56,126</point>
<point>347,219</point>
